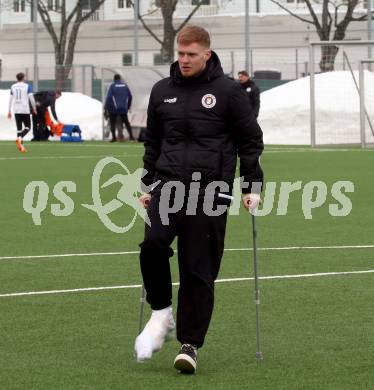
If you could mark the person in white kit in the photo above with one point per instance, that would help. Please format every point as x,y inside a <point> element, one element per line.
<point>20,98</point>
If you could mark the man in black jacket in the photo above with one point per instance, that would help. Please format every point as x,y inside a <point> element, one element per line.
<point>43,100</point>
<point>252,91</point>
<point>198,122</point>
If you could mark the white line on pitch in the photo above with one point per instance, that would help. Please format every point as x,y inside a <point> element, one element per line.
<point>287,248</point>
<point>272,277</point>
<point>315,150</point>
<point>270,151</point>
<point>69,255</point>
<point>78,146</point>
<point>23,158</point>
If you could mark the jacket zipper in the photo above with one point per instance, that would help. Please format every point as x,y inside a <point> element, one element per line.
<point>187,137</point>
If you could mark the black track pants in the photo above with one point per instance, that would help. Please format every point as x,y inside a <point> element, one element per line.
<point>23,123</point>
<point>200,249</point>
<point>123,120</point>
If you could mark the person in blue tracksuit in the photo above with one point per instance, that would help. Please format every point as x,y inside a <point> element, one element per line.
<point>117,104</point>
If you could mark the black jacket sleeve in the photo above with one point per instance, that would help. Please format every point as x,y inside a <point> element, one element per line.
<point>152,142</point>
<point>46,99</point>
<point>248,139</point>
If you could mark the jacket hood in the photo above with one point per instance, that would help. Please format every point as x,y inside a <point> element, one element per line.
<point>212,71</point>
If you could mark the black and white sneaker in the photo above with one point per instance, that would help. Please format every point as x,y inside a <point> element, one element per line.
<point>186,360</point>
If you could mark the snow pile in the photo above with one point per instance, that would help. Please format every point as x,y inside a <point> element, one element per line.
<point>285,110</point>
<point>284,114</point>
<point>78,109</point>
<point>71,108</point>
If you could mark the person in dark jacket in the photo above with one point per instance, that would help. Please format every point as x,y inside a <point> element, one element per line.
<point>117,103</point>
<point>43,100</point>
<point>252,91</point>
<point>198,123</point>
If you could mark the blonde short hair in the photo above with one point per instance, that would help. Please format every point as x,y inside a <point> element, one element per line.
<point>194,34</point>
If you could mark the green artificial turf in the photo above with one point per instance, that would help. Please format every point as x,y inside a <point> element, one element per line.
<point>316,323</point>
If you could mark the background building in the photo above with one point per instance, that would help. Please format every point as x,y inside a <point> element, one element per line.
<point>106,43</point>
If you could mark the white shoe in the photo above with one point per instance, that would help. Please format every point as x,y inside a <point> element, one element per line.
<point>159,328</point>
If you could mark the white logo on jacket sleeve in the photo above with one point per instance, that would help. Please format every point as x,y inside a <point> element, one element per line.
<point>249,89</point>
<point>170,100</point>
<point>208,100</point>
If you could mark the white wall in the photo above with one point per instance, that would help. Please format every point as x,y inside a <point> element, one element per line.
<point>110,11</point>
<point>8,16</point>
<point>238,6</point>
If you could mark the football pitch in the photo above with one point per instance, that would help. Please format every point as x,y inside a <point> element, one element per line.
<point>70,287</point>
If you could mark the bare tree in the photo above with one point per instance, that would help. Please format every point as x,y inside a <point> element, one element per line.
<point>167,8</point>
<point>64,34</point>
<point>331,24</point>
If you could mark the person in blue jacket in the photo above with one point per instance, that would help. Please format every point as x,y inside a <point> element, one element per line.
<point>117,103</point>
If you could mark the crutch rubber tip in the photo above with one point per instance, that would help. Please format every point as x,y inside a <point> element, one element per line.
<point>259,356</point>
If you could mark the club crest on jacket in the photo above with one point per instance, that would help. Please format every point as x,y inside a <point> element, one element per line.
<point>208,101</point>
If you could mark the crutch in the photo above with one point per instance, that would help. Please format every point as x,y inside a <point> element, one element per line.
<point>141,314</point>
<point>257,290</point>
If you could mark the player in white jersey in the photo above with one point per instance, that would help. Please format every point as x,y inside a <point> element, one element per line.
<point>20,98</point>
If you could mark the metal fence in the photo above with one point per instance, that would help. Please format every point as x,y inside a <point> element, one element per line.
<point>290,62</point>
<point>287,63</point>
<point>335,101</point>
<point>366,77</point>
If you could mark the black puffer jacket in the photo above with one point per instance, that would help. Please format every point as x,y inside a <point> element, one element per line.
<point>201,124</point>
<point>253,93</point>
<point>45,99</point>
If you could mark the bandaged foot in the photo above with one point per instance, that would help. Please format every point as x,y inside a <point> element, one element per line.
<point>159,328</point>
